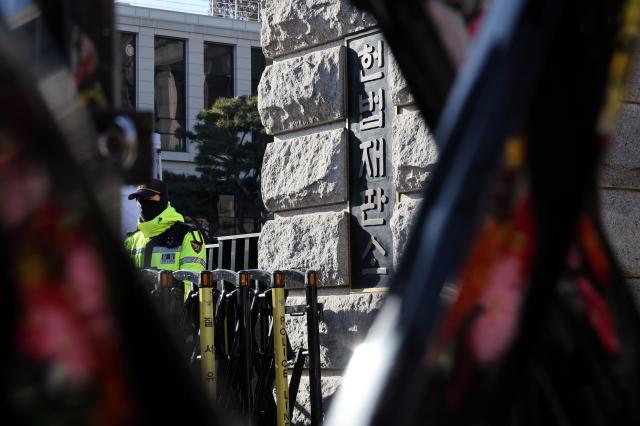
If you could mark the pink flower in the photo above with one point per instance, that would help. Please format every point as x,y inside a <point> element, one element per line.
<point>50,334</point>
<point>85,278</point>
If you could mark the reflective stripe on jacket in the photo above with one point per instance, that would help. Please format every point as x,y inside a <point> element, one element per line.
<point>149,247</point>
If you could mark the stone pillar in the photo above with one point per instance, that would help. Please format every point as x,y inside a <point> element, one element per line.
<point>620,184</point>
<point>305,174</point>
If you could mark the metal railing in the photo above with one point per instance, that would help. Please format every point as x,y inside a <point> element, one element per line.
<point>235,252</point>
<point>242,10</point>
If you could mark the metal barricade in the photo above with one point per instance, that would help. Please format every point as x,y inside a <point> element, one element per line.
<point>261,326</point>
<point>242,338</point>
<point>226,328</point>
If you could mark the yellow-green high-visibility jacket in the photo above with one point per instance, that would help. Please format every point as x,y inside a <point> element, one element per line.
<point>166,242</point>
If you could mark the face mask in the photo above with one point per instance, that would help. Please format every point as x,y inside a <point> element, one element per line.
<point>150,209</point>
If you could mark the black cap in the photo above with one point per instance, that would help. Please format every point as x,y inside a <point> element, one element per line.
<point>154,187</point>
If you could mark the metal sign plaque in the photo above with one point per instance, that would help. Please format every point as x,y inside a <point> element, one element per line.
<point>371,190</point>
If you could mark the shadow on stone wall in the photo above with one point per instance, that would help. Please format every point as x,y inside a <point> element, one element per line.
<point>347,319</point>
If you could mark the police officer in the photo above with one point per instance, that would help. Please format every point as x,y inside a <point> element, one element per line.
<point>163,240</point>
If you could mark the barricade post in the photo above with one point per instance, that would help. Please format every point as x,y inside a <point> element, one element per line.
<point>246,396</point>
<point>207,340</point>
<point>166,284</point>
<point>313,336</point>
<point>280,350</point>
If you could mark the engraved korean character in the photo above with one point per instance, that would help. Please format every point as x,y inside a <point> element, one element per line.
<point>375,246</point>
<point>369,55</point>
<point>208,322</point>
<point>375,271</point>
<point>372,158</point>
<point>210,376</point>
<point>374,200</point>
<point>372,104</point>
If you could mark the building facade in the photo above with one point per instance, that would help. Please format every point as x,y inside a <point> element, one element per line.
<point>175,64</point>
<point>201,7</point>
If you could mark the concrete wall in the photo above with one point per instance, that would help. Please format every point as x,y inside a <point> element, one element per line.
<point>302,102</point>
<point>620,184</point>
<point>196,30</point>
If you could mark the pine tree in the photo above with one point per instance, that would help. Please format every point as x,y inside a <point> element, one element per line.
<point>231,143</point>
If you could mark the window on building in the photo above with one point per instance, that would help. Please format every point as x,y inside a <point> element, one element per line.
<point>258,64</point>
<point>218,72</point>
<point>127,54</point>
<point>170,99</point>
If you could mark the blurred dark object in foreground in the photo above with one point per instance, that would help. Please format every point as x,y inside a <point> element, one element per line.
<point>80,342</point>
<point>508,308</point>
